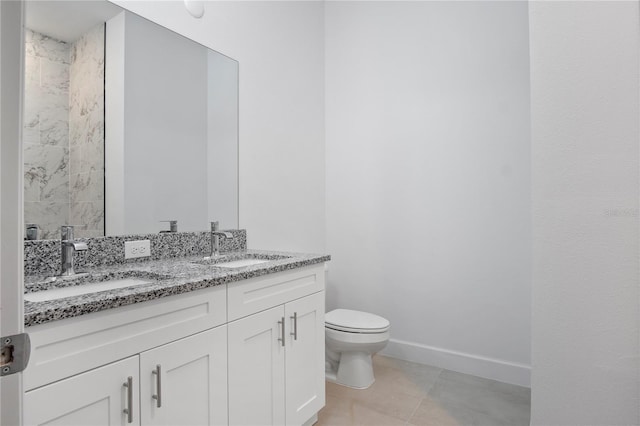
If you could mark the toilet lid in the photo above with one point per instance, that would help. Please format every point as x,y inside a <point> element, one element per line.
<point>355,321</point>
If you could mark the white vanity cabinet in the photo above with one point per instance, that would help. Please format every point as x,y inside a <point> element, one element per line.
<point>247,353</point>
<point>180,383</point>
<point>61,349</point>
<point>276,355</point>
<point>72,377</point>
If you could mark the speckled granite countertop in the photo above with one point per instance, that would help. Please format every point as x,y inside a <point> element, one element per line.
<point>167,277</point>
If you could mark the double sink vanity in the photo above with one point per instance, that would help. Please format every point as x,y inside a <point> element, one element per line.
<point>176,334</point>
<point>176,339</point>
<point>179,336</point>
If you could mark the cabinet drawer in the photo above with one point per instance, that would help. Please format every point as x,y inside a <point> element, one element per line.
<point>258,294</point>
<point>63,348</point>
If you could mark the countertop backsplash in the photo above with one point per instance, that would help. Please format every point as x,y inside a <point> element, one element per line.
<point>42,257</point>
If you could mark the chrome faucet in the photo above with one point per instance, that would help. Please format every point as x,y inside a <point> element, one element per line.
<point>215,238</point>
<point>69,247</point>
<point>173,226</point>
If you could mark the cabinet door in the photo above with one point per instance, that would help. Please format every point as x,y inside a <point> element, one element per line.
<point>97,397</point>
<point>185,382</point>
<point>305,394</point>
<point>256,369</point>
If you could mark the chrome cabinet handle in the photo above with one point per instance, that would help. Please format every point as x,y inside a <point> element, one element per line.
<point>282,329</point>
<point>158,396</point>
<point>295,326</point>
<point>129,410</point>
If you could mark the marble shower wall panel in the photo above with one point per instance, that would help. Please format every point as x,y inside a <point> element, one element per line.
<point>46,172</point>
<point>41,46</point>
<point>46,133</point>
<point>86,132</point>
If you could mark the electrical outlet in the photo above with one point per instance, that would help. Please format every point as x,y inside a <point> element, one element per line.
<point>133,249</point>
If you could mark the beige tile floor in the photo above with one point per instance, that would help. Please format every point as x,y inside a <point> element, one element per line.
<point>414,394</point>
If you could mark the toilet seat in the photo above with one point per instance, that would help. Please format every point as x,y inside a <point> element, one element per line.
<point>350,321</point>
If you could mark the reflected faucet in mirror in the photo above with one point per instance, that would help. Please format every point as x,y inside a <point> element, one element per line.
<point>173,226</point>
<point>32,231</point>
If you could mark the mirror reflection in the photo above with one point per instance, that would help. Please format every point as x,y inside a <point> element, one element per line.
<point>125,125</point>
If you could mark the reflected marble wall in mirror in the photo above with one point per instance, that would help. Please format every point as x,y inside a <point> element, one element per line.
<point>126,124</point>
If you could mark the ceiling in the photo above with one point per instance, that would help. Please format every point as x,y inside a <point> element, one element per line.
<point>79,16</point>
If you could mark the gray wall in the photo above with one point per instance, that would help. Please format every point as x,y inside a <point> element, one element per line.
<point>222,152</point>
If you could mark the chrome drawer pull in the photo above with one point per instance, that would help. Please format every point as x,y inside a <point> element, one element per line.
<point>129,410</point>
<point>282,329</point>
<point>158,396</point>
<point>295,326</point>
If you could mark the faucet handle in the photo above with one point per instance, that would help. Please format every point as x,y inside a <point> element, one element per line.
<point>173,225</point>
<point>79,246</point>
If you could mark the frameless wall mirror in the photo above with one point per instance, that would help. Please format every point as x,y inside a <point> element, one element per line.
<point>125,124</point>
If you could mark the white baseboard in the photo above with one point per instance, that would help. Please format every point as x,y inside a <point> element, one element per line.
<point>490,368</point>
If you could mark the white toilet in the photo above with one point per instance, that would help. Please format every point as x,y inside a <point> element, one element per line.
<point>351,338</point>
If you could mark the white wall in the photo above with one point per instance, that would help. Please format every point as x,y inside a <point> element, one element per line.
<point>11,197</point>
<point>280,48</point>
<point>585,134</point>
<point>428,178</point>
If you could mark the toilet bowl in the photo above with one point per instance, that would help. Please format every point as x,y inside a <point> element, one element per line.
<point>351,338</point>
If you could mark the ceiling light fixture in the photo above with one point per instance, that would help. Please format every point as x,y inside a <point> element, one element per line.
<point>195,7</point>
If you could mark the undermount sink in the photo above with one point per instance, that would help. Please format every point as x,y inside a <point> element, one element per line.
<point>232,261</point>
<point>78,290</point>
<point>241,263</point>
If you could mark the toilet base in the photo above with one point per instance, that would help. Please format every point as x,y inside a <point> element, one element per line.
<point>355,370</point>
